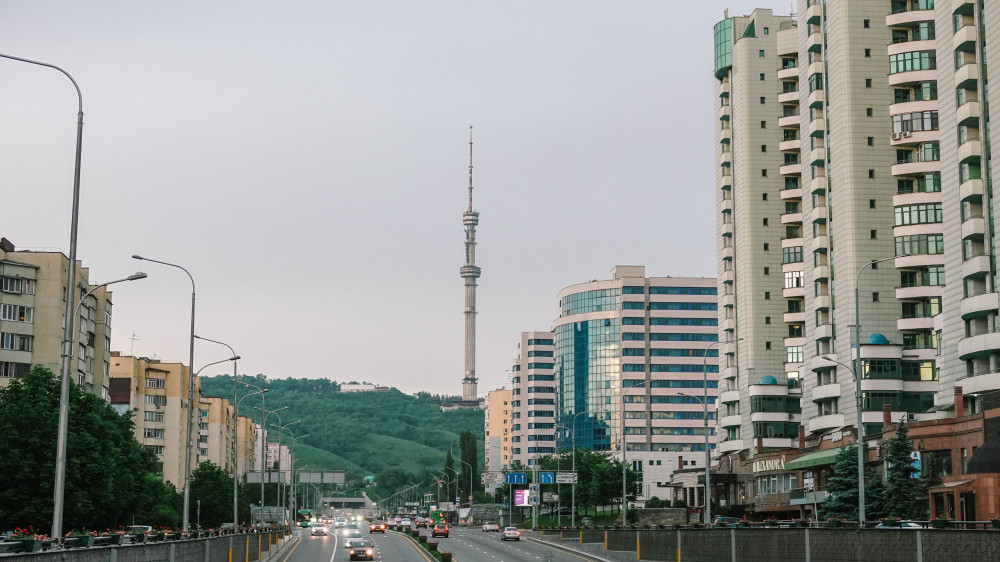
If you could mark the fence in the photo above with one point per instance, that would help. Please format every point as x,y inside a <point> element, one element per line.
<point>233,548</point>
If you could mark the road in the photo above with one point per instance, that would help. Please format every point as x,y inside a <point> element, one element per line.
<point>392,547</point>
<point>471,544</point>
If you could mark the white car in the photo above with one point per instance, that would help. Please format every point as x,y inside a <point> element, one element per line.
<point>491,526</point>
<point>340,522</point>
<point>511,533</point>
<point>352,537</point>
<point>405,522</point>
<point>319,530</point>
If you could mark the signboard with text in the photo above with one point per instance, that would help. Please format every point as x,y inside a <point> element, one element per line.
<point>522,498</point>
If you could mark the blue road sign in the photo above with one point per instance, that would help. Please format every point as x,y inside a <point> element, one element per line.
<point>546,477</point>
<point>515,478</point>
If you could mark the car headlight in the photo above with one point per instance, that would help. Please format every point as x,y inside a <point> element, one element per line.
<point>369,551</point>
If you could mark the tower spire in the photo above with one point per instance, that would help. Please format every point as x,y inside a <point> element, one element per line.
<point>470,168</point>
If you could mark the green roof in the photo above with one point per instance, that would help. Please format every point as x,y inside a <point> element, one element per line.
<point>819,458</point>
<point>751,30</point>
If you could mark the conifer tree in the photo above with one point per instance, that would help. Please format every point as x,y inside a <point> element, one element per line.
<point>843,487</point>
<point>901,489</point>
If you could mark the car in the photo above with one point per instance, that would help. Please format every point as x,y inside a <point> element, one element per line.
<point>405,522</point>
<point>900,525</point>
<point>377,527</point>
<point>726,521</point>
<point>491,526</point>
<point>363,550</point>
<point>440,530</point>
<point>340,522</point>
<point>319,530</point>
<point>348,527</point>
<point>397,520</point>
<point>352,537</point>
<point>421,522</point>
<point>511,533</point>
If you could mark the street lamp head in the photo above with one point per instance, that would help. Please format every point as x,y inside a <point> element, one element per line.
<point>235,358</point>
<point>137,257</point>
<point>137,276</point>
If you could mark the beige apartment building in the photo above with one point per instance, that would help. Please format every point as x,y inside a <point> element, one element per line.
<point>497,426</point>
<point>32,306</point>
<point>533,399</point>
<point>853,139</point>
<point>215,432</point>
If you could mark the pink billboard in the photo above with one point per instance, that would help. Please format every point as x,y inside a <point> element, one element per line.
<point>521,498</point>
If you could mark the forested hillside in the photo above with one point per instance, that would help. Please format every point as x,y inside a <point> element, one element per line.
<point>362,432</point>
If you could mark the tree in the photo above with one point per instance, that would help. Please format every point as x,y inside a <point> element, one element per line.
<point>469,453</point>
<point>449,470</point>
<point>901,489</point>
<point>106,468</point>
<point>843,486</point>
<point>214,489</point>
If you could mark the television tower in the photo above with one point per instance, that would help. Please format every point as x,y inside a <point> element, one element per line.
<point>470,272</point>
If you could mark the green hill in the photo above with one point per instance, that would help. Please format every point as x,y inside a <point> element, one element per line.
<point>361,432</point>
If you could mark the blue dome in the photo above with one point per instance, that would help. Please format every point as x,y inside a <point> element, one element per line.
<point>768,379</point>
<point>877,339</point>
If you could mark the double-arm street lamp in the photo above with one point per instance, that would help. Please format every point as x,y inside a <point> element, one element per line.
<point>625,389</point>
<point>68,330</point>
<point>708,450</point>
<point>187,454</point>
<point>263,450</point>
<point>470,478</point>
<point>281,470</point>
<point>236,447</point>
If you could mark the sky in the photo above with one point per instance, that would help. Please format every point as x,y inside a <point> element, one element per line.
<point>307,162</point>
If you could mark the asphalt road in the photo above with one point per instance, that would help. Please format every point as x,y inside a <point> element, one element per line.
<point>389,548</point>
<point>471,544</point>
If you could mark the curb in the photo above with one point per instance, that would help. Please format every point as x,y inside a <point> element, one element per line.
<point>423,551</point>
<point>565,548</point>
<point>272,554</point>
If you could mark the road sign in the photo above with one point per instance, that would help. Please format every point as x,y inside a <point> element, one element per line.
<point>549,497</point>
<point>492,477</point>
<point>534,487</point>
<point>566,478</point>
<point>515,478</point>
<point>546,477</point>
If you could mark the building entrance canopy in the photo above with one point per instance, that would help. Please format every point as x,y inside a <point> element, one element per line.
<point>819,458</point>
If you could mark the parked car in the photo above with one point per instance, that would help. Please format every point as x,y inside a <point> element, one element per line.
<point>511,533</point>
<point>900,525</point>
<point>491,526</point>
<point>726,521</point>
<point>363,550</point>
<point>319,530</point>
<point>440,530</point>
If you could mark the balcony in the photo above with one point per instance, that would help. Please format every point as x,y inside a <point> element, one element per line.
<point>724,136</point>
<point>979,384</point>
<point>915,168</point>
<point>967,76</point>
<point>788,73</point>
<point>962,6</point>
<point>979,305</point>
<point>769,417</point>
<point>815,68</point>
<point>730,421</point>
<point>973,227</point>
<point>788,97</point>
<point>968,114</point>
<point>727,181</point>
<point>825,392</point>
<point>800,496</point>
<point>918,292</point>
<point>823,332</point>
<point>970,150</point>
<point>794,317</point>
<point>916,198</point>
<point>790,170</point>
<point>814,13</point>
<point>816,128</point>
<point>789,121</point>
<point>821,272</point>
<point>819,214</point>
<point>730,446</point>
<point>727,300</point>
<point>822,423</point>
<point>729,396</point>
<point>728,253</point>
<point>912,77</point>
<point>724,89</point>
<point>913,138</point>
<point>817,157</point>
<point>822,302</point>
<point>791,218</point>
<point>793,292</point>
<point>818,185</point>
<point>727,276</point>
<point>820,244</point>
<point>915,324</point>
<point>965,39</point>
<point>790,194</point>
<point>726,206</point>
<point>909,17</point>
<point>790,145</point>
<point>816,99</point>
<point>728,325</point>
<point>814,43</point>
<point>980,344</point>
<point>976,266</point>
<point>917,261</point>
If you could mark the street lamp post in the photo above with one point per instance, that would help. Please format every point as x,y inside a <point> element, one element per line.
<point>236,449</point>
<point>64,406</point>
<point>625,389</point>
<point>470,479</point>
<point>236,408</point>
<point>68,329</point>
<point>263,451</point>
<point>281,488</point>
<point>573,433</point>
<point>190,440</point>
<point>708,451</point>
<point>187,454</point>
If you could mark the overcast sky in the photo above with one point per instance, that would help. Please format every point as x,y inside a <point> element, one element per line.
<point>307,162</point>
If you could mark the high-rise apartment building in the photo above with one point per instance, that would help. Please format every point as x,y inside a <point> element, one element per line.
<point>533,399</point>
<point>32,306</point>
<point>854,140</point>
<point>497,430</point>
<point>157,392</point>
<point>215,432</point>
<point>636,357</point>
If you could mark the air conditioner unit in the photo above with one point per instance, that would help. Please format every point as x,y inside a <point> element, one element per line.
<point>906,133</point>
<point>896,136</point>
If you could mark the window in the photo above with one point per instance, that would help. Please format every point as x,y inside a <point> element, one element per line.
<point>815,82</point>
<point>767,345</point>
<point>18,286</point>
<point>918,214</point>
<point>15,313</point>
<point>867,23</point>
<point>874,297</point>
<point>793,279</point>
<point>791,254</point>
<point>153,433</point>
<point>153,416</point>
<point>767,271</point>
<point>763,197</point>
<point>762,76</point>
<point>761,53</point>
<point>766,31</point>
<point>868,53</point>
<point>767,319</point>
<point>156,383</point>
<point>764,221</point>
<point>156,400</point>
<point>767,295</point>
<point>633,352</point>
<point>763,124</point>
<point>868,82</point>
<point>869,112</point>
<point>917,121</point>
<point>873,235</point>
<point>919,244</point>
<point>871,141</point>
<point>912,60</point>
<point>871,174</point>
<point>767,247</point>
<point>793,354</point>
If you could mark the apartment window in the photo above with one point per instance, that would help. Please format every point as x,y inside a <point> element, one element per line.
<point>764,221</point>
<point>767,345</point>
<point>763,173</point>
<point>15,313</point>
<point>767,295</point>
<point>156,400</point>
<point>874,297</point>
<point>871,203</point>
<point>871,174</point>
<point>871,141</point>
<point>873,235</point>
<point>18,286</point>
<point>793,279</point>
<point>153,416</point>
<point>763,100</point>
<point>869,112</point>
<point>761,55</point>
<point>763,124</point>
<point>153,433</point>
<point>763,197</point>
<point>868,53</point>
<point>767,319</point>
<point>766,31</point>
<point>867,23</point>
<point>767,247</point>
<point>912,60</point>
<point>868,82</point>
<point>763,148</point>
<point>767,271</point>
<point>791,254</point>
<point>156,383</point>
<point>15,342</point>
<point>762,76</point>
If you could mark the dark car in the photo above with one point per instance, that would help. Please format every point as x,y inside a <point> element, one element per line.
<point>377,527</point>
<point>362,550</point>
<point>440,530</point>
